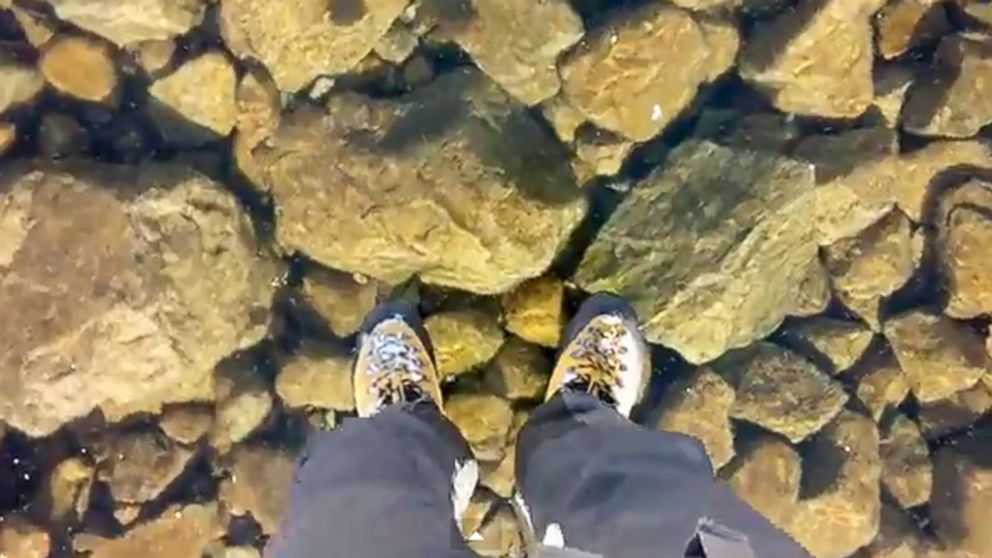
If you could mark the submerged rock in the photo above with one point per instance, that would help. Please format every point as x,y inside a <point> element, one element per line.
<point>397,44</point>
<point>37,26</point>
<point>20,84</point>
<point>608,80</point>
<point>339,298</point>
<point>463,340</point>
<point>939,356</point>
<point>299,40</point>
<point>259,483</point>
<point>951,100</point>
<point>453,182</point>
<point>61,136</point>
<point>964,228</point>
<point>767,475</point>
<point>8,136</point>
<point>500,535</point>
<point>519,371</point>
<point>883,386</point>
<point>599,153</point>
<point>781,391</point>
<point>202,91</point>
<point>840,342</point>
<point>259,106</point>
<point>700,406</point>
<point>186,424</point>
<point>316,378</point>
<point>154,274</point>
<point>534,310</point>
<point>139,466</point>
<point>243,404</point>
<point>839,155</point>
<point>180,532</point>
<point>155,55</point>
<point>67,493</point>
<point>21,539</point>
<point>479,508</point>
<point>867,268</point>
<point>501,477</point>
<point>892,83</point>
<point>815,59</point>
<point>957,412</point>
<point>907,24</point>
<point>906,470</point>
<point>484,421</point>
<point>910,176</point>
<point>517,43</point>
<point>962,494</point>
<point>897,536</point>
<point>844,464</point>
<point>132,21</point>
<point>80,67</point>
<point>716,247</point>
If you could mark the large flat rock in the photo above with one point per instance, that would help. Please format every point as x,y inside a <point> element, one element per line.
<point>454,182</point>
<point>299,40</point>
<point>122,288</point>
<point>132,21</point>
<point>636,74</point>
<point>716,247</point>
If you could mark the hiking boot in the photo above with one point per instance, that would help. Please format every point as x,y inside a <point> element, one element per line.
<point>604,354</point>
<point>395,361</point>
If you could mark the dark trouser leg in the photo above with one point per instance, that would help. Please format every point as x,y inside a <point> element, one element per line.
<point>621,491</point>
<point>377,488</point>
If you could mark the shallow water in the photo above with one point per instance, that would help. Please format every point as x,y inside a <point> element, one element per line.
<point>199,202</point>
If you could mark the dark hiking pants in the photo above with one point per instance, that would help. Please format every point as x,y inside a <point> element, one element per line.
<point>382,488</point>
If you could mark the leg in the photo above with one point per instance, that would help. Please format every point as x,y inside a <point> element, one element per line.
<point>395,481</point>
<point>620,491</point>
<point>377,488</point>
<point>592,481</point>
